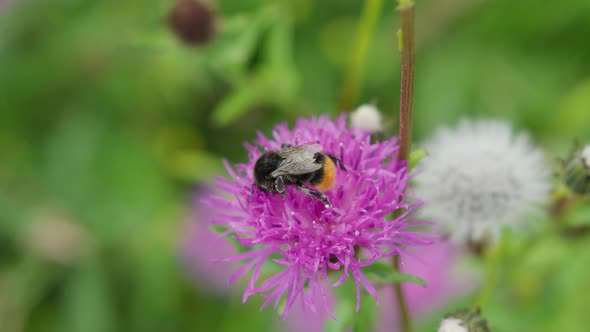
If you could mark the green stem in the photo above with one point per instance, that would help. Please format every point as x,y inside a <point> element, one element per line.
<point>402,306</point>
<point>407,49</point>
<point>493,258</point>
<point>366,28</point>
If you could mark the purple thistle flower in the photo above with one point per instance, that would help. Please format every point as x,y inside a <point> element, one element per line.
<point>201,247</point>
<point>312,243</point>
<point>439,264</point>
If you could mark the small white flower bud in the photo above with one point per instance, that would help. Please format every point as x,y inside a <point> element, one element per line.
<point>577,170</point>
<point>367,117</point>
<point>464,320</point>
<point>586,155</point>
<point>452,325</point>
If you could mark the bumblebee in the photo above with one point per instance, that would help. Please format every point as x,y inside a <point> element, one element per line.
<point>297,165</point>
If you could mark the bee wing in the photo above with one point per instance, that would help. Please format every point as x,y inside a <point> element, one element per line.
<point>313,147</point>
<point>298,160</point>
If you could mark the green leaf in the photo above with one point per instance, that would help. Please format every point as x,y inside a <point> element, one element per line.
<point>344,314</point>
<point>416,156</point>
<point>279,50</point>
<point>237,45</point>
<point>218,228</point>
<point>235,105</point>
<point>347,318</point>
<point>579,215</point>
<point>573,116</point>
<point>88,302</point>
<point>269,86</point>
<point>366,318</point>
<point>384,273</point>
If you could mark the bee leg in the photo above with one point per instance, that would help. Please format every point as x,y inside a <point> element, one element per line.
<point>280,184</point>
<point>337,162</point>
<point>315,194</point>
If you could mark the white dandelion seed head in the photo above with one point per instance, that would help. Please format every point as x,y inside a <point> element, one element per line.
<point>479,177</point>
<point>367,117</point>
<point>452,325</point>
<point>586,155</point>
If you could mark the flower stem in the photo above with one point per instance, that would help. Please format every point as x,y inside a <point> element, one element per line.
<point>407,49</point>
<point>492,257</point>
<point>366,28</point>
<point>402,306</point>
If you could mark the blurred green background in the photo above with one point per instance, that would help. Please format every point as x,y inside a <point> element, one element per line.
<point>108,123</point>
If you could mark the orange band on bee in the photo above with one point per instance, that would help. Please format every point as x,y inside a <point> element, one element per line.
<point>329,175</point>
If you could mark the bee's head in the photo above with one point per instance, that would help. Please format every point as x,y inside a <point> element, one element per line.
<point>265,165</point>
<point>266,186</point>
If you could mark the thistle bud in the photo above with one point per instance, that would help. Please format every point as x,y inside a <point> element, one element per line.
<point>465,320</point>
<point>192,22</point>
<point>577,170</point>
<point>367,117</point>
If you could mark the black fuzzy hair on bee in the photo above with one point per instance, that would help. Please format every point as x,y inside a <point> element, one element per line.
<point>298,166</point>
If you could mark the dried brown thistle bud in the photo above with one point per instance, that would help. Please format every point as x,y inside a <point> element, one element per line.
<point>192,21</point>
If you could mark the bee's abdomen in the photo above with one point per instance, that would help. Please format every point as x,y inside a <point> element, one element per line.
<point>324,179</point>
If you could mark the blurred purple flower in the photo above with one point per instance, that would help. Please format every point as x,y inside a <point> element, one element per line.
<point>202,246</point>
<point>437,265</point>
<point>303,237</point>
